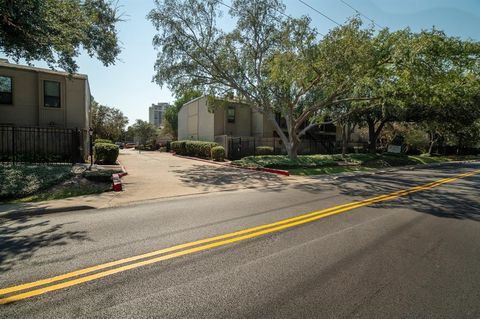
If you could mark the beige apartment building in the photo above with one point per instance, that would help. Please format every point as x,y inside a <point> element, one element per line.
<point>197,122</point>
<point>32,96</point>
<point>38,105</point>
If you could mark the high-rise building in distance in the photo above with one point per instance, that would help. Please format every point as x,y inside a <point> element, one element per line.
<point>156,113</point>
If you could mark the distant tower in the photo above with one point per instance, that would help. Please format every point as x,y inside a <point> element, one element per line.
<point>156,113</point>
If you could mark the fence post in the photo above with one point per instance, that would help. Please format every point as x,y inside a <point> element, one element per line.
<point>13,145</point>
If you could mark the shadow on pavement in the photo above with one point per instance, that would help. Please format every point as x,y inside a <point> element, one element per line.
<point>206,177</point>
<point>458,200</point>
<point>21,237</point>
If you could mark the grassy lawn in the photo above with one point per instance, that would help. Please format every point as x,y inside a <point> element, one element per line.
<point>24,180</point>
<point>332,164</point>
<point>306,171</point>
<point>31,183</point>
<point>65,192</point>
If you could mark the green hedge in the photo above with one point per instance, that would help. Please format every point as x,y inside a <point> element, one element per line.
<point>193,148</point>
<point>102,140</point>
<point>264,150</point>
<point>106,153</point>
<point>218,153</point>
<point>178,147</point>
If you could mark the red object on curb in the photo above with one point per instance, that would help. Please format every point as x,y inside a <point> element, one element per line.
<point>116,183</point>
<point>276,171</point>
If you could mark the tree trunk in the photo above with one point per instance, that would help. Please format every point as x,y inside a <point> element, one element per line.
<point>292,150</point>
<point>372,137</point>
<point>292,141</point>
<point>344,140</point>
<point>432,143</point>
<point>373,134</point>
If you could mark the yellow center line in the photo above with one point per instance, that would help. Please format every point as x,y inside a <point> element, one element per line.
<point>216,241</point>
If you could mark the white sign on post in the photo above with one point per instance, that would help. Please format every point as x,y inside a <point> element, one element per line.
<point>397,149</point>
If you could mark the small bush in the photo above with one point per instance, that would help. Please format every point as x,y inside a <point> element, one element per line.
<point>106,153</point>
<point>162,149</point>
<point>218,153</point>
<point>102,140</point>
<point>193,148</point>
<point>199,149</point>
<point>178,147</point>
<point>264,150</point>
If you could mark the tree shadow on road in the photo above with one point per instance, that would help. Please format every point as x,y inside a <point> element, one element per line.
<point>208,177</point>
<point>457,200</point>
<point>21,237</point>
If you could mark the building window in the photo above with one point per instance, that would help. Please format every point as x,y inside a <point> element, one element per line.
<point>51,94</point>
<point>6,96</point>
<point>231,114</point>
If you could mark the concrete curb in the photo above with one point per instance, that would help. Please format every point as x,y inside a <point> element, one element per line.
<point>227,164</point>
<point>201,160</point>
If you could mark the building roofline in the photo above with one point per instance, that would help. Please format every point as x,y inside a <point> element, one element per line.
<point>216,98</point>
<point>42,70</point>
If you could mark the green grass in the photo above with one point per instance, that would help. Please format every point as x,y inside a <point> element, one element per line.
<point>65,192</point>
<point>24,180</point>
<point>306,171</point>
<point>332,164</point>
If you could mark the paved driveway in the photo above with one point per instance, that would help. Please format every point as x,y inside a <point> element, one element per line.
<point>155,175</point>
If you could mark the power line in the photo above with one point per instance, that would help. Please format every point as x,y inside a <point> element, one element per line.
<point>321,13</point>
<point>348,5</point>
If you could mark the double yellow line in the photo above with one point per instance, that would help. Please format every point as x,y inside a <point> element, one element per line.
<point>14,293</point>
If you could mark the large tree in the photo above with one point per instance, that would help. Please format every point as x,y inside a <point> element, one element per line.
<point>56,30</point>
<point>107,122</point>
<point>276,65</point>
<point>145,132</point>
<point>427,77</point>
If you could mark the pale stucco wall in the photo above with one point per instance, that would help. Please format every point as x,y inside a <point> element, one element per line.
<point>261,126</point>
<point>195,122</point>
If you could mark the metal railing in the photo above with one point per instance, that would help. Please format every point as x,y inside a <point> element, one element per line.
<point>239,147</point>
<point>40,145</point>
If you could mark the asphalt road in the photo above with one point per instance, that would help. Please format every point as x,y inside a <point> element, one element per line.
<point>417,256</point>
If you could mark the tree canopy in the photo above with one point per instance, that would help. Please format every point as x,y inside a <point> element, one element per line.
<point>281,66</point>
<point>107,122</point>
<point>55,31</point>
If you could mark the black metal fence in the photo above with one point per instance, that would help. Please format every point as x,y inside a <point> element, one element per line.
<point>40,145</point>
<point>239,147</point>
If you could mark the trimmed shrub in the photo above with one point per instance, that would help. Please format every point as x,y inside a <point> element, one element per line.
<point>105,153</point>
<point>178,147</point>
<point>218,153</point>
<point>264,150</point>
<point>102,140</point>
<point>162,149</point>
<point>193,148</point>
<point>199,149</point>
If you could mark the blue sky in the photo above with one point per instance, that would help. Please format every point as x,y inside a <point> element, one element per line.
<point>127,85</point>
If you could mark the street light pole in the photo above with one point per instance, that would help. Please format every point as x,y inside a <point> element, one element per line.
<point>90,134</point>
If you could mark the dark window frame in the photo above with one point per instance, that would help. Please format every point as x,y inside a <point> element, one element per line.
<point>51,97</point>
<point>230,118</point>
<point>9,95</point>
